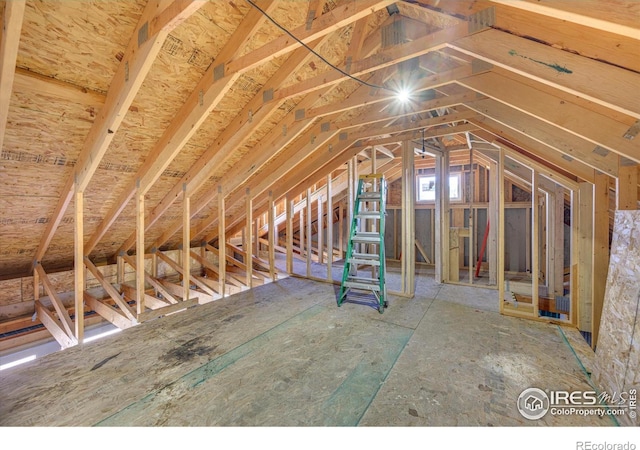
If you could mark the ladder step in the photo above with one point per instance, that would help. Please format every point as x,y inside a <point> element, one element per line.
<point>366,237</point>
<point>368,215</point>
<point>367,280</point>
<point>367,256</point>
<point>371,262</point>
<point>369,196</point>
<point>363,283</point>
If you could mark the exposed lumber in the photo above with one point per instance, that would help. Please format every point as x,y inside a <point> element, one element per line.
<point>326,23</point>
<point>151,280</point>
<point>591,13</point>
<point>493,131</point>
<point>63,315</point>
<point>544,133</point>
<point>222,239</point>
<point>272,237</point>
<point>289,232</point>
<point>171,309</point>
<point>248,238</point>
<point>535,243</point>
<point>136,63</point>
<point>585,257</point>
<point>195,280</point>
<point>256,261</point>
<point>186,245</point>
<point>151,301</point>
<point>365,98</point>
<point>79,274</point>
<point>202,100</point>
<point>309,232</point>
<point>330,245</point>
<point>140,270</point>
<point>596,128</point>
<point>113,293</point>
<point>381,60</point>
<point>600,251</point>
<point>108,312</point>
<point>422,251</point>
<point>53,325</point>
<point>408,220</point>
<point>606,85</point>
<point>627,185</point>
<point>12,15</point>
<point>28,81</point>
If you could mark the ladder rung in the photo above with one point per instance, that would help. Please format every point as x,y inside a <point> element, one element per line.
<point>357,285</point>
<point>367,238</point>
<point>366,280</point>
<point>369,195</point>
<point>372,256</point>
<point>368,215</point>
<point>371,262</point>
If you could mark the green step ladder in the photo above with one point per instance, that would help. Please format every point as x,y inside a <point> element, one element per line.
<point>365,248</point>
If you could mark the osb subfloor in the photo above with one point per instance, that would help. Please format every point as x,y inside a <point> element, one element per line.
<point>285,354</point>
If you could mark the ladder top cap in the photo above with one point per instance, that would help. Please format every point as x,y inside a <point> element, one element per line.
<point>371,175</point>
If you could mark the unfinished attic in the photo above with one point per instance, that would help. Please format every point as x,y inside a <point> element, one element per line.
<point>190,172</point>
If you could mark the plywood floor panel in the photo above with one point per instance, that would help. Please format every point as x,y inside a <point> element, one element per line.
<point>283,354</point>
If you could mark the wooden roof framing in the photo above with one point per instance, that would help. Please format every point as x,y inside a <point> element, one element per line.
<point>202,94</point>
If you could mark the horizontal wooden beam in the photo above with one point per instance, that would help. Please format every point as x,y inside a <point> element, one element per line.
<point>601,83</point>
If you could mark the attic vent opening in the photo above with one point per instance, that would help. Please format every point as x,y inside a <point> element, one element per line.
<point>393,34</point>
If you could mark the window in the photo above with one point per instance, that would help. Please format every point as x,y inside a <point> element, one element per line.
<point>427,188</point>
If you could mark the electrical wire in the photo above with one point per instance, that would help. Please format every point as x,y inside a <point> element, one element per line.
<point>322,58</point>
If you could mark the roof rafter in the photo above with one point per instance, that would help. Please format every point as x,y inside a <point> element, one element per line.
<point>158,19</point>
<point>12,16</point>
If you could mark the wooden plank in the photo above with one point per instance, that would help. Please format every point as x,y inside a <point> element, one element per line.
<point>309,232</point>
<point>151,280</point>
<point>12,15</point>
<point>272,237</point>
<point>592,80</point>
<point>186,245</point>
<point>585,257</point>
<point>535,243</point>
<point>627,185</point>
<point>493,131</point>
<point>330,247</point>
<point>422,251</point>
<point>215,285</point>
<point>319,230</point>
<point>63,315</point>
<point>202,100</point>
<point>159,19</point>
<point>408,219</point>
<point>171,309</point>
<point>326,23</point>
<point>600,251</point>
<point>108,287</point>
<point>590,13</point>
<point>248,238</point>
<point>381,60</point>
<point>500,226</point>
<point>179,269</point>
<point>256,261</point>
<point>570,145</point>
<point>110,313</point>
<point>597,128</point>
<point>222,239</point>
<point>139,265</point>
<point>79,273</point>
<point>289,231</point>
<point>151,302</point>
<point>53,325</point>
